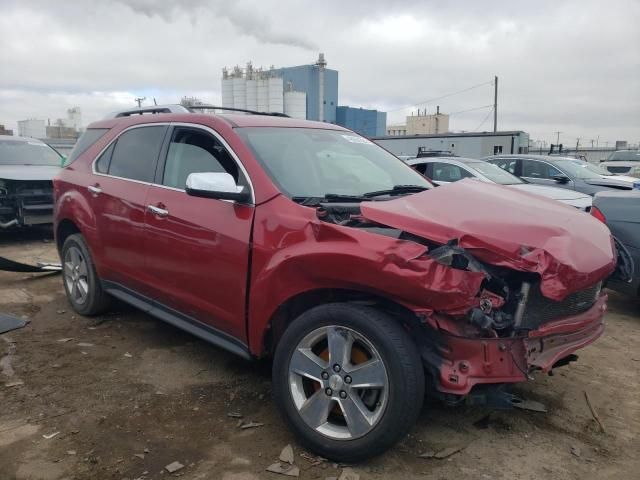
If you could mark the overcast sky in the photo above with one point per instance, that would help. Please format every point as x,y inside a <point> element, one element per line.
<point>571,65</point>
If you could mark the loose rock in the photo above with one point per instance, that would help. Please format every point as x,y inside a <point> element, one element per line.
<point>286,455</point>
<point>284,469</point>
<point>174,467</point>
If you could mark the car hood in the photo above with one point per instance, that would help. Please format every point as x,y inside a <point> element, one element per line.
<point>550,192</point>
<point>569,249</point>
<point>28,172</point>
<point>621,178</point>
<point>609,182</point>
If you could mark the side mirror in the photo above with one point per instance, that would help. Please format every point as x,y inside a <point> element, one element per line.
<point>217,185</point>
<point>560,178</point>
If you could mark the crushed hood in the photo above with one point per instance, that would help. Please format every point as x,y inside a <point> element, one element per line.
<point>569,249</point>
<point>28,172</point>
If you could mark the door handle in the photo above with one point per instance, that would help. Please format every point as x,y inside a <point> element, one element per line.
<point>95,189</point>
<point>157,211</point>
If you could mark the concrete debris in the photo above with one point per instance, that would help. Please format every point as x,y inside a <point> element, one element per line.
<point>61,312</point>
<point>312,459</point>
<point>247,425</point>
<point>575,451</point>
<point>50,435</point>
<point>284,469</point>
<point>14,383</point>
<point>349,474</point>
<point>530,405</point>
<point>234,415</point>
<point>442,454</point>
<point>174,467</point>
<point>65,340</point>
<point>85,344</point>
<point>139,455</point>
<point>286,455</point>
<point>128,355</point>
<point>71,452</point>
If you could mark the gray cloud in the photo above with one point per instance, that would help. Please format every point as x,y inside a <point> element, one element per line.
<point>572,66</point>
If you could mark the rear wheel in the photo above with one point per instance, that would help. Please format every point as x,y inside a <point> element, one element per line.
<point>348,380</point>
<point>81,282</point>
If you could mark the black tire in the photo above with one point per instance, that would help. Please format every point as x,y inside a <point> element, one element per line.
<point>404,370</point>
<point>97,300</point>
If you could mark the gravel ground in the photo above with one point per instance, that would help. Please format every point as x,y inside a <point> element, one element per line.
<point>123,396</point>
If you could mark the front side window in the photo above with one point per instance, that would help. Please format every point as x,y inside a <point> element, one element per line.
<point>495,173</point>
<point>507,164</point>
<point>136,153</point>
<point>578,169</point>
<point>20,152</point>
<point>309,162</point>
<point>194,151</point>
<point>446,172</point>
<point>535,169</point>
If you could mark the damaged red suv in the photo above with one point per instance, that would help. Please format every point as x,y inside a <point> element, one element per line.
<point>302,241</point>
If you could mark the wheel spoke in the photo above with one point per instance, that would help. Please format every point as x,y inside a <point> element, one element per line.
<point>339,341</point>
<point>68,267</point>
<point>306,363</point>
<point>74,290</point>
<point>83,287</point>
<point>75,256</point>
<point>370,374</point>
<point>315,410</point>
<point>359,419</point>
<point>82,270</point>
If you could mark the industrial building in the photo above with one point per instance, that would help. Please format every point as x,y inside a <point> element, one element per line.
<point>421,124</point>
<point>304,91</point>
<point>32,127</point>
<point>369,123</point>
<point>472,145</point>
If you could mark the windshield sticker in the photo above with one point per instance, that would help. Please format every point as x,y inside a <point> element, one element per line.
<point>354,139</point>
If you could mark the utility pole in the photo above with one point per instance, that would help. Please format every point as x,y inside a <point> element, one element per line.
<point>495,104</point>
<point>557,137</point>
<point>577,144</point>
<point>592,142</point>
<point>139,101</point>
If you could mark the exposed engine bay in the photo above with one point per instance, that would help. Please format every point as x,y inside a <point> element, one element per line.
<point>509,302</point>
<point>25,203</point>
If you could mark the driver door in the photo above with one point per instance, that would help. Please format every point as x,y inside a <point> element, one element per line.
<point>197,249</point>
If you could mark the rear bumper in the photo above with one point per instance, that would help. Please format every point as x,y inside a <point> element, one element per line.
<point>461,363</point>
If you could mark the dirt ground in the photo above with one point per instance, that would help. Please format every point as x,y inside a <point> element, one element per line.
<point>126,395</point>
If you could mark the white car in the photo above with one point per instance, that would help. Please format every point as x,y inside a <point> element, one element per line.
<point>623,162</point>
<point>443,170</point>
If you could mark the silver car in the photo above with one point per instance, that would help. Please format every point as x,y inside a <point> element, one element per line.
<point>445,170</point>
<point>623,162</point>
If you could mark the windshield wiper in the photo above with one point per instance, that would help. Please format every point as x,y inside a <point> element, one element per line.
<point>329,197</point>
<point>397,190</point>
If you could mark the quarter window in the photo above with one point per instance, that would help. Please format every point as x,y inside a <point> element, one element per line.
<point>88,138</point>
<point>102,164</point>
<point>193,151</point>
<point>136,153</point>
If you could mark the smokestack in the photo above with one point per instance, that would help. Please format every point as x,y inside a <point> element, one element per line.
<point>321,64</point>
<point>438,110</point>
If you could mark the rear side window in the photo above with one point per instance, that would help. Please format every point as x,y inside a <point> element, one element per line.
<point>136,153</point>
<point>102,164</point>
<point>88,138</point>
<point>445,172</point>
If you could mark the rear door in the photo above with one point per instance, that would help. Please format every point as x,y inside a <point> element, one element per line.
<point>123,173</point>
<point>197,249</point>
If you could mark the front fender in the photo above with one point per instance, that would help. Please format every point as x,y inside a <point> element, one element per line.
<point>296,253</point>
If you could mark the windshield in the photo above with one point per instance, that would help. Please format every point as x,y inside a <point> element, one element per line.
<point>19,152</point>
<point>495,173</point>
<point>577,169</point>
<point>628,156</point>
<point>306,162</point>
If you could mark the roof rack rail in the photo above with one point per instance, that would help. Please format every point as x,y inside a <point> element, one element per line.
<point>154,109</point>
<point>232,109</point>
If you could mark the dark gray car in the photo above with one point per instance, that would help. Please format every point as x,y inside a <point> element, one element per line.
<point>620,211</point>
<point>564,172</point>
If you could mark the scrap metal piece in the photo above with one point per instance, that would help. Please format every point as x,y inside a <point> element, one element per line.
<point>13,266</point>
<point>9,322</point>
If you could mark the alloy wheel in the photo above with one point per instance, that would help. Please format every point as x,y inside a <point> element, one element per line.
<point>76,275</point>
<point>338,382</point>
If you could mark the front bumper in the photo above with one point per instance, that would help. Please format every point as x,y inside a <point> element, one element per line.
<point>460,363</point>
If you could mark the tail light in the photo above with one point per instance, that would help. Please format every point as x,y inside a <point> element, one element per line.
<point>598,214</point>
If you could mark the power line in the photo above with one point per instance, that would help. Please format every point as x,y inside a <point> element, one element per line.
<point>490,82</point>
<point>483,121</point>
<point>472,109</point>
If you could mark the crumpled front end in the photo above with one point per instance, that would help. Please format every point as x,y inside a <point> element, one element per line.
<point>25,202</point>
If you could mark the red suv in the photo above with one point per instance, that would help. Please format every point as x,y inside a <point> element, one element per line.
<point>303,241</point>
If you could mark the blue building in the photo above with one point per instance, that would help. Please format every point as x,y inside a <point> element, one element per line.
<point>306,78</point>
<point>370,123</point>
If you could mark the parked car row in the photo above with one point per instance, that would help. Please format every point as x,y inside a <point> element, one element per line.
<point>304,242</point>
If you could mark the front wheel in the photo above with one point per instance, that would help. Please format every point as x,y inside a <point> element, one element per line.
<point>348,381</point>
